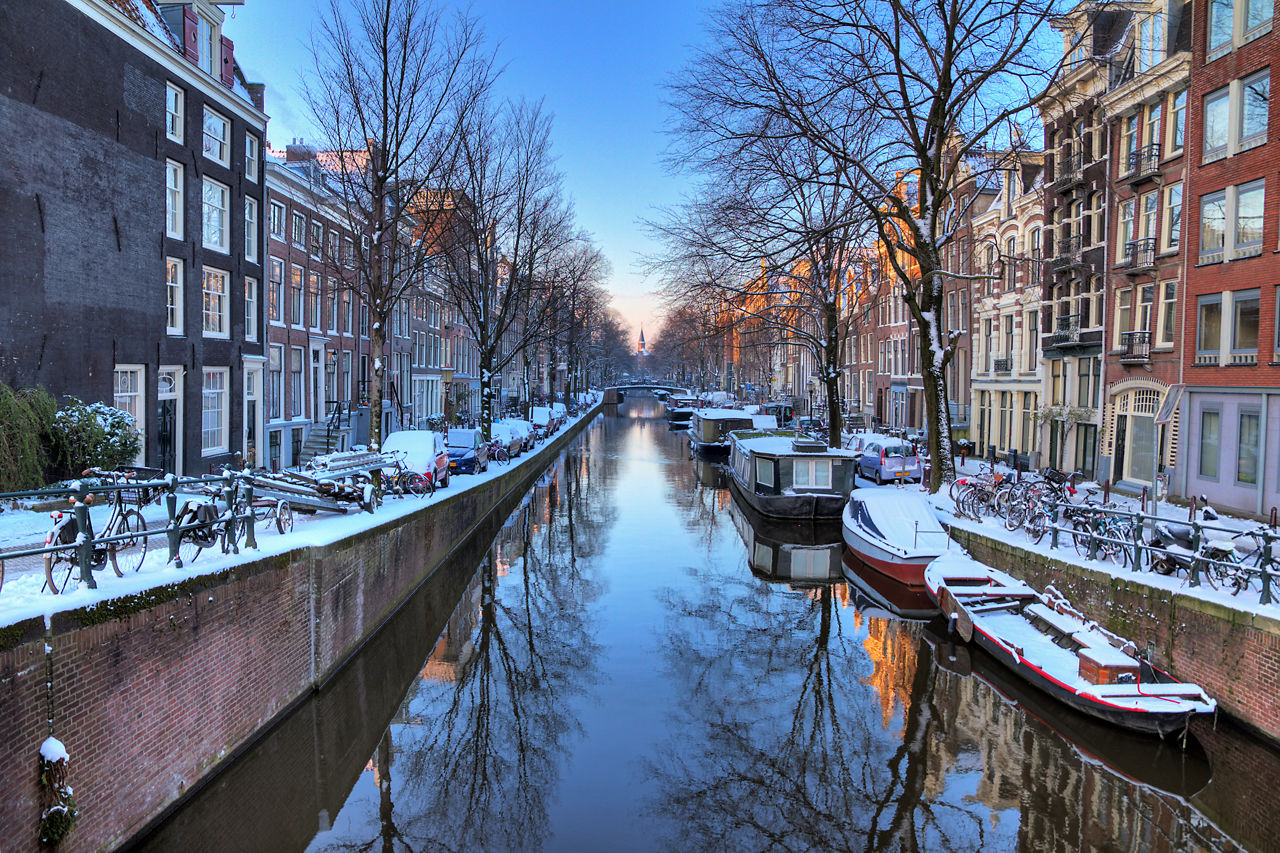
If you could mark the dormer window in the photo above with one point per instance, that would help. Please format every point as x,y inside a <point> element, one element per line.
<point>1150,46</point>
<point>208,42</point>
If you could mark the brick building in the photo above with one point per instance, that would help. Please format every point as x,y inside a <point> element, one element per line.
<point>130,261</point>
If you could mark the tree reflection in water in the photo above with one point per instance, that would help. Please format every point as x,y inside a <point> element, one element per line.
<point>472,755</point>
<point>776,748</point>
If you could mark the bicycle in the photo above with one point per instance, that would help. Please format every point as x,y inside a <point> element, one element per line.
<point>498,451</point>
<point>401,480</point>
<point>123,539</point>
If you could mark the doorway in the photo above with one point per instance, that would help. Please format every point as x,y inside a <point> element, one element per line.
<point>169,420</point>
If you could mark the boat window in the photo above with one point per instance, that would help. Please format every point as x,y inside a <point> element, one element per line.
<point>764,472</point>
<point>813,472</point>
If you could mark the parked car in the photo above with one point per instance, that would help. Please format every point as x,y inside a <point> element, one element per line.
<point>859,440</point>
<point>523,428</point>
<point>887,460</point>
<point>468,453</point>
<point>561,414</point>
<point>543,420</point>
<point>424,452</point>
<point>512,439</point>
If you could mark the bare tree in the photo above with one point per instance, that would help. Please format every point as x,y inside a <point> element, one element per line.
<point>393,84</point>
<point>901,96</point>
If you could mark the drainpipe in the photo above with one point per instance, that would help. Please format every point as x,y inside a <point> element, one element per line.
<point>1262,450</point>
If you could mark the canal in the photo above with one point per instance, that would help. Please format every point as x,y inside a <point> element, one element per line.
<point>632,662</point>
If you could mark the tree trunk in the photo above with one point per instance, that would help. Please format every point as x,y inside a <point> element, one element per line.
<point>486,395</point>
<point>927,310</point>
<point>831,374</point>
<point>377,348</point>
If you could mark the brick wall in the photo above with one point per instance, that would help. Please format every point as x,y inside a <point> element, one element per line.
<point>149,702</point>
<point>1235,656</point>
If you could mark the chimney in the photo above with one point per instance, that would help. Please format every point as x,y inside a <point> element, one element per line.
<point>298,151</point>
<point>258,95</point>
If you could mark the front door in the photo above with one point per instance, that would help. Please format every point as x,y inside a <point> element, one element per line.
<point>252,413</point>
<point>1140,452</point>
<point>317,384</point>
<point>169,420</point>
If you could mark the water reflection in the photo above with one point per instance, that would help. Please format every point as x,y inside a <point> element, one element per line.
<point>801,551</point>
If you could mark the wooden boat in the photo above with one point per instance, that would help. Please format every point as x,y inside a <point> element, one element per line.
<point>679,410</point>
<point>709,428</point>
<point>785,474</point>
<point>894,531</point>
<point>1051,645</point>
<point>800,552</point>
<point>897,599</point>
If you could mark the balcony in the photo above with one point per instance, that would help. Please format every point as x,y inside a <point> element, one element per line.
<point>1003,365</point>
<point>1069,172</point>
<point>1139,256</point>
<point>1068,253</point>
<point>1135,347</point>
<point>1066,331</point>
<point>1144,163</point>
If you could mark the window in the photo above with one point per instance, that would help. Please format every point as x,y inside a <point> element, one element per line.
<point>317,239</point>
<point>332,257</point>
<point>1010,267</point>
<point>127,384</point>
<point>346,313</point>
<point>1090,381</point>
<point>251,157</point>
<point>1210,424</point>
<point>250,229</point>
<point>1168,313</point>
<point>1146,300</point>
<point>173,112</point>
<point>1031,336</point>
<point>250,309</point>
<point>1217,111</point>
<point>275,381</point>
<point>1124,300</point>
<point>1148,204</point>
<point>217,138</point>
<point>1247,233</point>
<point>1150,46</point>
<point>1129,142</point>
<point>300,230</point>
<point>313,301</point>
<point>1151,136</point>
<point>1208,327</point>
<point>332,298</point>
<point>1213,227</point>
<point>217,322</point>
<point>764,472</point>
<point>1172,234</point>
<point>1177,120</point>
<point>173,199</point>
<point>1125,234</point>
<point>349,251</point>
<point>277,220</point>
<point>213,420</point>
<point>295,381</point>
<point>815,473</point>
<point>217,215</point>
<point>275,290</point>
<point>295,295</point>
<point>1247,448</point>
<point>1244,321</point>
<point>207,38</point>
<point>173,296</point>
<point>1255,92</point>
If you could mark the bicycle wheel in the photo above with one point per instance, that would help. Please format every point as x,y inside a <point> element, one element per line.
<point>284,517</point>
<point>1081,533</point>
<point>129,553</point>
<point>1015,515</point>
<point>415,483</point>
<point>1037,524</point>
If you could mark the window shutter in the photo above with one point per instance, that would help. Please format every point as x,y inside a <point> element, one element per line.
<point>228,62</point>
<point>191,35</point>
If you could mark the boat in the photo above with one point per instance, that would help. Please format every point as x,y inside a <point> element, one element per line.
<point>1046,641</point>
<point>894,531</point>
<point>897,599</point>
<point>679,410</point>
<point>709,428</point>
<point>800,552</point>
<point>786,474</point>
<point>1182,770</point>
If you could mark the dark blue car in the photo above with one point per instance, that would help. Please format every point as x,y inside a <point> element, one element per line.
<point>468,454</point>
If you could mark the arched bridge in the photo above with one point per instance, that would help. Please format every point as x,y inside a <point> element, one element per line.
<point>616,393</point>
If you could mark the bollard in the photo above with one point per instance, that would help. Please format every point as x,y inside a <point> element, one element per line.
<point>1143,504</point>
<point>1265,597</point>
<point>1194,577</point>
<point>229,500</point>
<point>1273,518</point>
<point>1137,541</point>
<point>1106,491</point>
<point>1057,515</point>
<point>1093,538</point>
<point>250,535</point>
<point>84,545</point>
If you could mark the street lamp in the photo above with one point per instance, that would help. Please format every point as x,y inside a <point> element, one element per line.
<point>446,374</point>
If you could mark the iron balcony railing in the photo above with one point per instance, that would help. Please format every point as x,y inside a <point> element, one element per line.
<point>1144,162</point>
<point>1066,330</point>
<point>1068,252</point>
<point>1069,170</point>
<point>1135,347</point>
<point>1140,255</point>
<point>1004,365</point>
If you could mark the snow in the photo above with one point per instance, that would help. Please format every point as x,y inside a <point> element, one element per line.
<point>905,518</point>
<point>21,597</point>
<point>780,445</point>
<point>53,751</point>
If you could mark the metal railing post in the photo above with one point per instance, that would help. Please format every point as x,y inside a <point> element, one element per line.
<point>229,499</point>
<point>250,536</point>
<point>1193,578</point>
<point>1265,597</point>
<point>1057,519</point>
<point>173,534</point>
<point>84,542</point>
<point>1138,522</point>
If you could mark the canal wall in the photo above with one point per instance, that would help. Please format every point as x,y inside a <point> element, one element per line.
<point>151,693</point>
<point>1234,655</point>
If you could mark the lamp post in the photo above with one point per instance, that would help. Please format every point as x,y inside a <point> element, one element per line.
<point>446,374</point>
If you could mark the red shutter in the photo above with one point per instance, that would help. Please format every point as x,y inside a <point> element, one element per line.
<point>228,62</point>
<point>191,35</point>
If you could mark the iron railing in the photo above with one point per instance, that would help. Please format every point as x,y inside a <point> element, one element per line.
<point>1135,347</point>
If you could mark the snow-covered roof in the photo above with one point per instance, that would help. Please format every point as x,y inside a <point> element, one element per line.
<point>778,443</point>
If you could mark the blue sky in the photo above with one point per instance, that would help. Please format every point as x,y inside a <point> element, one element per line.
<point>600,67</point>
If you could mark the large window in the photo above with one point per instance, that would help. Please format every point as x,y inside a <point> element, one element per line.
<point>1247,231</point>
<point>1208,327</point>
<point>1210,425</point>
<point>275,382</point>
<point>1090,381</point>
<point>250,309</point>
<point>313,301</point>
<point>173,112</point>
<point>129,397</point>
<point>1177,120</point>
<point>296,274</point>
<point>1217,115</point>
<point>1171,236</point>
<point>1168,317</point>
<point>1124,300</point>
<point>295,381</point>
<point>1150,46</point>
<point>173,199</point>
<point>1235,116</point>
<point>251,157</point>
<point>275,290</point>
<point>277,220</point>
<point>1125,235</point>
<point>173,295</point>
<point>214,413</point>
<point>1235,23</point>
<point>250,229</point>
<point>299,235</point>
<point>217,137</point>
<point>1231,223</point>
<point>1244,322</point>
<point>814,473</point>
<point>216,313</point>
<point>1255,92</point>
<point>1247,448</point>
<point>217,216</point>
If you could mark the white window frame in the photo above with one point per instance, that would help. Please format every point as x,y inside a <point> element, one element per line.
<point>174,111</point>
<point>251,302</point>
<point>251,229</point>
<point>812,468</point>
<point>1166,314</point>
<point>215,304</point>
<point>1171,224</point>
<point>216,146</point>
<point>215,413</point>
<point>132,400</point>
<point>251,147</point>
<point>175,195</point>
<point>1177,123</point>
<point>215,204</point>
<point>282,219</point>
<point>278,286</point>
<point>175,291</point>
<point>294,221</point>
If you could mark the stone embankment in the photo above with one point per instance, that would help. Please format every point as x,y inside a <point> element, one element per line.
<point>152,693</point>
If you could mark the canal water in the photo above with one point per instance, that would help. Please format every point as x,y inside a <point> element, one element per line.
<point>634,662</point>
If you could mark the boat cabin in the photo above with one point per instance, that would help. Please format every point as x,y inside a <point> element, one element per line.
<point>711,427</point>
<point>788,474</point>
